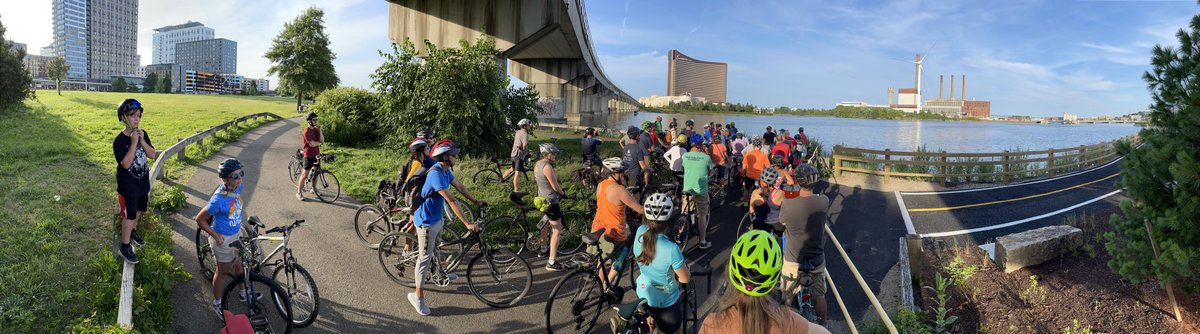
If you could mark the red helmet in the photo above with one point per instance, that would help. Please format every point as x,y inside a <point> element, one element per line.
<point>443,147</point>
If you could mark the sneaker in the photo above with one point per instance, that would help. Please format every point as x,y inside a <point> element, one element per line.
<point>544,252</point>
<point>704,245</point>
<point>618,324</point>
<point>217,308</point>
<point>242,296</point>
<point>135,238</point>
<point>418,304</point>
<point>555,266</point>
<point>127,252</point>
<point>299,197</point>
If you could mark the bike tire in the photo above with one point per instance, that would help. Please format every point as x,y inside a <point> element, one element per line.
<point>572,294</point>
<point>371,225</point>
<point>486,177</point>
<point>399,255</point>
<point>294,169</point>
<point>204,253</point>
<point>574,225</point>
<point>326,186</point>
<point>683,232</point>
<point>745,224</point>
<point>496,284</point>
<point>273,294</point>
<point>506,232</point>
<point>305,298</point>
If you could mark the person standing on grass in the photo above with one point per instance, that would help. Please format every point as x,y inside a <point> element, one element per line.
<point>519,152</point>
<point>312,137</point>
<point>221,219</point>
<point>131,148</point>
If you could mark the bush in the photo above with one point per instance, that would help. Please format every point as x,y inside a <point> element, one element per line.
<point>1034,294</point>
<point>15,85</point>
<point>168,200</point>
<point>348,115</point>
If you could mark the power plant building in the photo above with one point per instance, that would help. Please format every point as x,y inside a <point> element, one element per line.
<point>694,77</point>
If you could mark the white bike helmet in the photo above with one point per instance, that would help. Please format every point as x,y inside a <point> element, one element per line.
<point>658,207</point>
<point>523,122</point>
<point>548,148</point>
<point>615,165</point>
<point>769,175</point>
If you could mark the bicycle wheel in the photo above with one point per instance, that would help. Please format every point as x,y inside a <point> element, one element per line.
<point>204,253</point>
<point>326,186</point>
<point>399,254</point>
<point>574,225</point>
<point>486,177</point>
<point>745,224</point>
<point>294,169</point>
<point>497,284</point>
<point>683,231</point>
<point>302,291</point>
<point>579,303</point>
<point>370,225</point>
<point>506,232</point>
<point>716,190</point>
<point>270,314</point>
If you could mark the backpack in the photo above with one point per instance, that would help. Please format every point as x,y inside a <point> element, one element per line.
<point>385,195</point>
<point>418,196</point>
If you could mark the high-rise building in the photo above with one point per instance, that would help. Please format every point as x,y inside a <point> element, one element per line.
<point>70,20</point>
<point>18,46</point>
<point>166,38</point>
<point>209,55</point>
<point>690,76</point>
<point>36,65</point>
<point>112,38</point>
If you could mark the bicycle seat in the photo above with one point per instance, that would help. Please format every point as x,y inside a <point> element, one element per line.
<point>626,311</point>
<point>593,238</point>
<point>516,197</point>
<point>255,221</point>
<point>700,269</point>
<point>668,186</point>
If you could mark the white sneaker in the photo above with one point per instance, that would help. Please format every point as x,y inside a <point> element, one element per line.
<point>300,197</point>
<point>418,304</point>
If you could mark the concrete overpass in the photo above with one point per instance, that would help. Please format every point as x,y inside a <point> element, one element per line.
<point>547,43</point>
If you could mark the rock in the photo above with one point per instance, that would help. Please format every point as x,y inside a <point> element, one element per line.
<point>1019,250</point>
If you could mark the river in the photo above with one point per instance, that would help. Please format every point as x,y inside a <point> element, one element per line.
<point>902,135</point>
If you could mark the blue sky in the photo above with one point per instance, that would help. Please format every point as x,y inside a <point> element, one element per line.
<point>1027,57</point>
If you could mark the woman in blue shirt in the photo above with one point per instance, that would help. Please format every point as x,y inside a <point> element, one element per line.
<point>664,271</point>
<point>221,218</point>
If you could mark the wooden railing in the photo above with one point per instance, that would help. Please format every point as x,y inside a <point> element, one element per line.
<point>1002,167</point>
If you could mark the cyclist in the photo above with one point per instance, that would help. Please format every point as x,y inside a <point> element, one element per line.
<point>519,154</point>
<point>658,126</point>
<point>720,155</point>
<point>674,156</point>
<point>428,217</point>
<point>674,124</point>
<point>131,148</point>
<point>221,219</point>
<point>765,202</point>
<point>637,160</point>
<point>311,138</point>
<point>672,132</point>
<point>804,219</point>
<point>611,201</point>
<point>783,148</point>
<point>708,134</point>
<point>733,128</point>
<point>769,137</point>
<point>738,145</point>
<point>646,137</point>
<point>689,128</point>
<point>549,192</point>
<point>697,165</point>
<point>590,144</point>
<point>754,270</point>
<point>413,173</point>
<point>664,270</point>
<point>753,163</point>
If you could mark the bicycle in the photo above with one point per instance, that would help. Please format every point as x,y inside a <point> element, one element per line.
<point>399,255</point>
<point>324,184</point>
<point>588,285</point>
<point>636,315</point>
<point>804,302</point>
<point>495,173</point>
<point>373,221</point>
<point>685,222</point>
<point>572,223</point>
<point>252,285</point>
<point>512,231</point>
<point>299,284</point>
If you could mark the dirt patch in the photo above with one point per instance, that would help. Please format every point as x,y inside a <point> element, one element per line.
<point>1077,286</point>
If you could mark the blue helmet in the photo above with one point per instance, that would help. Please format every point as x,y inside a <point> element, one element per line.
<point>696,139</point>
<point>127,106</point>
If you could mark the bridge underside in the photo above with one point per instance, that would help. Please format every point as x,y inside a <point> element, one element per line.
<point>539,38</point>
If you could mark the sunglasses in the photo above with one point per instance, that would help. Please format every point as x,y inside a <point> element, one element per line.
<point>237,175</point>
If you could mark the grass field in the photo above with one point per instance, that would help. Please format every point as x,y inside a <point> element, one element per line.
<point>57,199</point>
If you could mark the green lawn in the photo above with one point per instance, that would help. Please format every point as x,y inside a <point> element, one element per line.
<point>57,200</point>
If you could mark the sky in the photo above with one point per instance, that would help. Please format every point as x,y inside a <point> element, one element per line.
<point>1038,58</point>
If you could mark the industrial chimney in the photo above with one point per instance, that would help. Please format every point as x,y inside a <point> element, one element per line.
<point>964,87</point>
<point>951,86</point>
<point>941,80</point>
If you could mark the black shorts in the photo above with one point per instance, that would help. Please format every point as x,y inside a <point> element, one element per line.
<point>670,318</point>
<point>518,162</point>
<point>130,205</point>
<point>553,212</point>
<point>309,162</point>
<point>748,183</point>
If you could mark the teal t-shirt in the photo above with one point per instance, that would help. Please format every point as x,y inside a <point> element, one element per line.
<point>658,283</point>
<point>696,166</point>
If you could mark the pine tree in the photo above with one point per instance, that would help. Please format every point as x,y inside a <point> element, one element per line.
<point>1163,175</point>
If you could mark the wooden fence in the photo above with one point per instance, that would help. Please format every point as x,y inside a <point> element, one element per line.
<point>1003,167</point>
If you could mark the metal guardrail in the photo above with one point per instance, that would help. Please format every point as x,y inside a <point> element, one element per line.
<point>125,306</point>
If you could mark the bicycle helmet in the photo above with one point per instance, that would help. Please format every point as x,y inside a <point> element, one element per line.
<point>658,207</point>
<point>444,147</point>
<point>523,122</point>
<point>228,166</point>
<point>418,145</point>
<point>756,140</point>
<point>591,131</point>
<point>690,122</point>
<point>647,124</point>
<point>311,116</point>
<point>614,164</point>
<point>681,139</point>
<point>697,139</point>
<point>633,132</point>
<point>126,106</point>
<point>755,263</point>
<point>769,175</point>
<point>777,160</point>
<point>806,175</point>
<point>547,148</point>
<point>802,129</point>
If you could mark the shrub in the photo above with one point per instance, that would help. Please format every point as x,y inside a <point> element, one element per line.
<point>168,200</point>
<point>1034,294</point>
<point>348,115</point>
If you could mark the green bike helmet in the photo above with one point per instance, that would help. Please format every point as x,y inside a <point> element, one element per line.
<point>756,263</point>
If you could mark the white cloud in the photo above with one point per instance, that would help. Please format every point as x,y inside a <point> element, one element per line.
<point>1106,48</point>
<point>1035,71</point>
<point>1087,81</point>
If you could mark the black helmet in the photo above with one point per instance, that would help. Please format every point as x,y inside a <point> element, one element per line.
<point>633,131</point>
<point>311,116</point>
<point>591,131</point>
<point>690,122</point>
<point>227,167</point>
<point>806,175</point>
<point>126,106</point>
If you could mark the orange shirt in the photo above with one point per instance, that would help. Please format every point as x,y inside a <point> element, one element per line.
<point>754,162</point>
<point>718,154</point>
<point>731,322</point>
<point>609,216</point>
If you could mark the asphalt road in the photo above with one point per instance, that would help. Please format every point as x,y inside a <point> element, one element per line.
<point>356,296</point>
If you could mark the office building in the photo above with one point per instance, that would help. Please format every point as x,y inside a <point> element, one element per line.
<point>198,82</point>
<point>36,65</point>
<point>70,21</point>
<point>694,77</point>
<point>655,101</point>
<point>166,38</point>
<point>210,55</point>
<point>112,38</point>
<point>262,85</point>
<point>173,71</point>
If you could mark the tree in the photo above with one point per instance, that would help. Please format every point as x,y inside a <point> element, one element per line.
<point>132,88</point>
<point>347,115</point>
<point>164,84</point>
<point>57,69</point>
<point>119,85</point>
<point>14,88</point>
<point>253,91</point>
<point>301,56</point>
<point>150,84</point>
<point>1163,175</point>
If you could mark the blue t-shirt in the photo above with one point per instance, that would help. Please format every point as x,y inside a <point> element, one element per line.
<point>226,210</point>
<point>657,283</point>
<point>431,210</point>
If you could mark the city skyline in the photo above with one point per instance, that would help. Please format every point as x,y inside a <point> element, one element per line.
<point>1028,58</point>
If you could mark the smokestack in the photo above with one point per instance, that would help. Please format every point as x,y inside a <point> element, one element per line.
<point>951,86</point>
<point>941,80</point>
<point>964,87</point>
<point>891,95</point>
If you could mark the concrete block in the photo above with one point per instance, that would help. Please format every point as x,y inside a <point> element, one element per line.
<point>1019,250</point>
